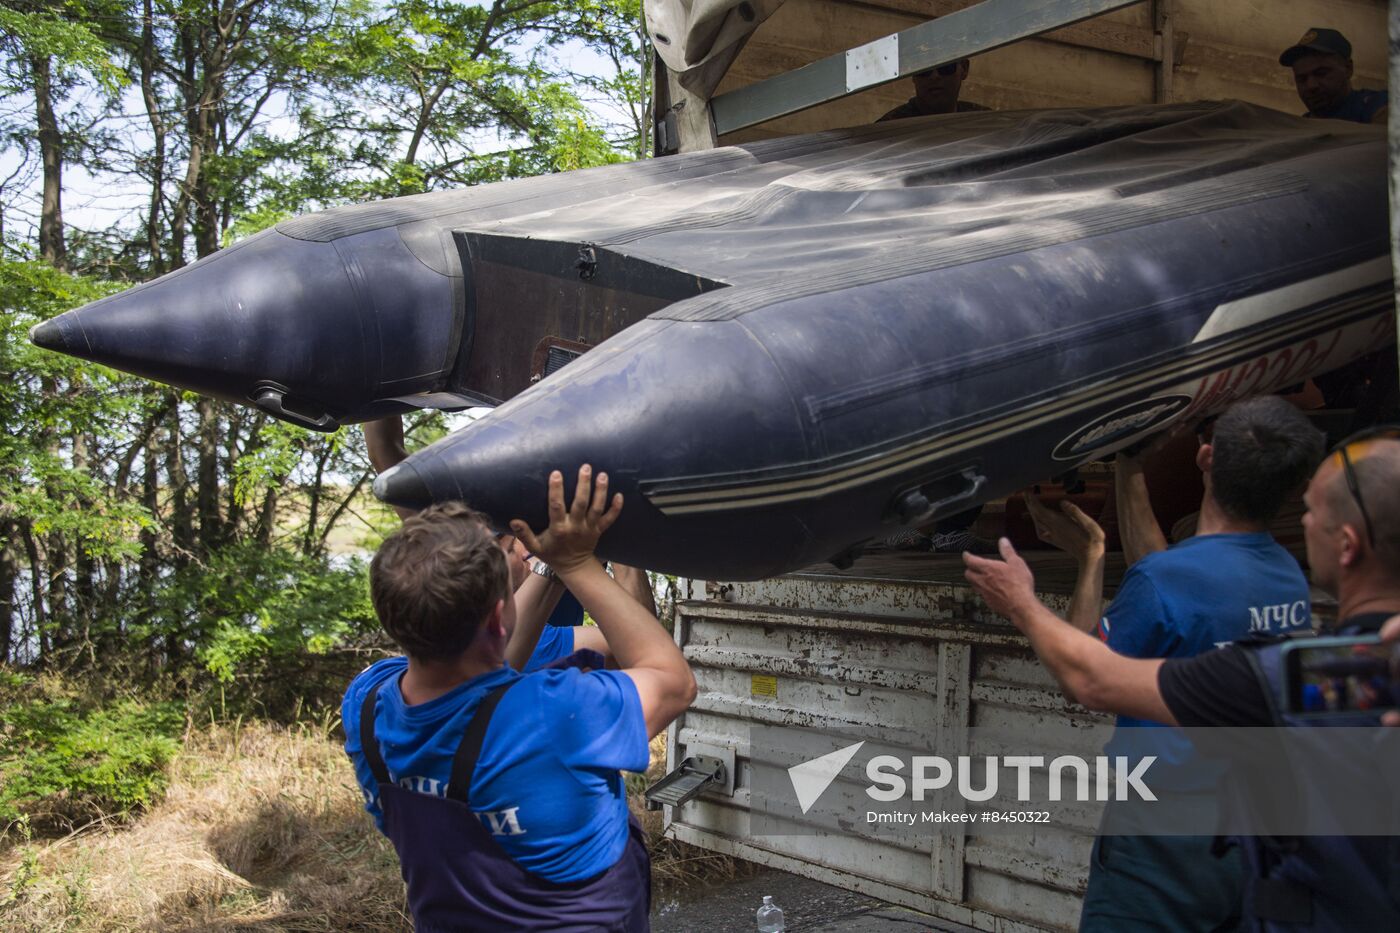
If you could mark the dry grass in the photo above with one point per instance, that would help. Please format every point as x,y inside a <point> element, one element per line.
<point>263,829</point>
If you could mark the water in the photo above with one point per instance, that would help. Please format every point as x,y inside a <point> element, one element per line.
<point>770,916</point>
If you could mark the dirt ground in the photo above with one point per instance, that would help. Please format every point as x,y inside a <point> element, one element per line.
<point>808,907</point>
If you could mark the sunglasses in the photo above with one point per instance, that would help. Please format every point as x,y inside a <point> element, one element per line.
<point>943,71</point>
<point>1352,449</point>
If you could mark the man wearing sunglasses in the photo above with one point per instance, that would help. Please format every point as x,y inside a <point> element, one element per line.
<point>1352,532</point>
<point>936,91</point>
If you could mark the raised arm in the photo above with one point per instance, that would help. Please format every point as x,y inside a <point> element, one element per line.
<point>1087,670</point>
<point>635,581</point>
<point>1137,524</point>
<point>643,649</point>
<point>535,600</point>
<point>637,584</point>
<point>1080,536</point>
<point>385,446</point>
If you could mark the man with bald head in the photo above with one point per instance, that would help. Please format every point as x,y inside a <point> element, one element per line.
<point>1322,70</point>
<point>1352,532</point>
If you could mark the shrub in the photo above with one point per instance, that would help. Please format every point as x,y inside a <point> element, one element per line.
<point>64,763</point>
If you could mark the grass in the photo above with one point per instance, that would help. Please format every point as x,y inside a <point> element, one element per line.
<point>262,828</point>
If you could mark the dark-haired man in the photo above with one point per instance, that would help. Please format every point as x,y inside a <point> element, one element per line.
<point>936,90</point>
<point>500,790</point>
<point>1230,580</point>
<point>1322,69</point>
<point>1352,532</point>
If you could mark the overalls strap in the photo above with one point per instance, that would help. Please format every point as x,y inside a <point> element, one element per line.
<point>369,745</point>
<point>464,762</point>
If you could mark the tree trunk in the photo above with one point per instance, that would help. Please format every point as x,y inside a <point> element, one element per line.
<point>181,526</point>
<point>9,576</point>
<point>150,558</point>
<point>51,245</point>
<point>235,447</point>
<point>211,526</point>
<point>60,612</point>
<point>309,544</point>
<point>188,45</point>
<point>267,518</point>
<point>147,61</point>
<point>84,567</point>
<point>36,591</point>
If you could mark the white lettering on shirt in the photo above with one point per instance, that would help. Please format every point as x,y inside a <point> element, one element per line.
<point>501,822</point>
<point>422,785</point>
<point>1279,617</point>
<point>497,822</point>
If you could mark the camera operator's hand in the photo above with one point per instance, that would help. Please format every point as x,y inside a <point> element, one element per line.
<point>569,541</point>
<point>1390,635</point>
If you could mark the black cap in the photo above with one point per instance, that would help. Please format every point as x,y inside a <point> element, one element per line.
<point>1317,42</point>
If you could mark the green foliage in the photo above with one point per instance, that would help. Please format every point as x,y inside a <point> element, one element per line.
<point>63,761</point>
<point>273,454</point>
<point>186,543</point>
<point>259,609</point>
<point>45,398</point>
<point>63,36</point>
<point>615,30</point>
<point>255,221</point>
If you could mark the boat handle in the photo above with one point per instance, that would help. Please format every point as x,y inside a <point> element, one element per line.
<point>914,508</point>
<point>269,399</point>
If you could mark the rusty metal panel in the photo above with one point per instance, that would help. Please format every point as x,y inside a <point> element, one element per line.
<point>917,663</point>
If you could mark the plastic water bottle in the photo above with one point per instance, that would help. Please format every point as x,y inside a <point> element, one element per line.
<point>770,916</point>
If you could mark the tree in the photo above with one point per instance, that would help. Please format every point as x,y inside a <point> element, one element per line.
<point>47,51</point>
<point>141,528</point>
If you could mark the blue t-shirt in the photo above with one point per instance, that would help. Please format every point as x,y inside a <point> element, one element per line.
<point>554,643</point>
<point>1360,106</point>
<point>1200,594</point>
<point>546,785</point>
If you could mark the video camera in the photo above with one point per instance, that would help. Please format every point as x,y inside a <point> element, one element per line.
<point>1326,677</point>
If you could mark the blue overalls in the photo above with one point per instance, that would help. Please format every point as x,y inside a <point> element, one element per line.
<point>460,879</point>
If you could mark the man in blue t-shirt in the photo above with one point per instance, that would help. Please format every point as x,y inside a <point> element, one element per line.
<point>501,789</point>
<point>1315,881</point>
<point>1231,581</point>
<point>1322,70</point>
